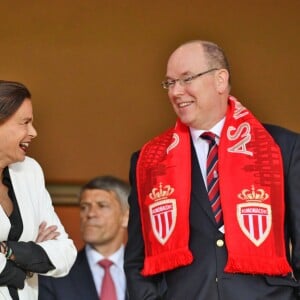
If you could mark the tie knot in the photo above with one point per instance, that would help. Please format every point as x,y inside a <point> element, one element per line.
<point>209,136</point>
<point>105,263</point>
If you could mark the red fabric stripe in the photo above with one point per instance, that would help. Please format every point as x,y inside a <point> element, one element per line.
<point>212,168</point>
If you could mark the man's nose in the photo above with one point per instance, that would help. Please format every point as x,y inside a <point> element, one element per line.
<point>176,89</point>
<point>92,210</point>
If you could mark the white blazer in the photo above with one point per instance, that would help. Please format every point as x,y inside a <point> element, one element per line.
<point>35,206</point>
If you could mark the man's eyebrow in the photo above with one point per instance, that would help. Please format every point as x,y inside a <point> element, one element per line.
<point>182,74</point>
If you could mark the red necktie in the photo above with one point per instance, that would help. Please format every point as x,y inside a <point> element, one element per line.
<point>213,176</point>
<point>108,289</point>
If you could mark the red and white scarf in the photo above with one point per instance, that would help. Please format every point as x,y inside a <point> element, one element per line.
<point>251,189</point>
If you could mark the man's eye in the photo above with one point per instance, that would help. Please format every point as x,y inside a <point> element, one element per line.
<point>170,82</point>
<point>187,79</point>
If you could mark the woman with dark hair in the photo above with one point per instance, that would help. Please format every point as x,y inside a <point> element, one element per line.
<point>32,239</point>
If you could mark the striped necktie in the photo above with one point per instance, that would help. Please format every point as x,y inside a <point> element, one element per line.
<point>212,176</point>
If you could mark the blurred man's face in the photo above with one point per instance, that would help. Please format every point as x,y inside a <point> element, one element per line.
<point>102,219</point>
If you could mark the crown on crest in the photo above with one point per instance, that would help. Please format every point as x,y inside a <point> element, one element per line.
<point>253,195</point>
<point>161,192</point>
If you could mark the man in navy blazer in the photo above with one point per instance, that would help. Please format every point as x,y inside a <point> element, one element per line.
<point>202,269</point>
<point>103,219</point>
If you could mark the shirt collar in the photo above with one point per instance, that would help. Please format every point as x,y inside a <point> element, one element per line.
<point>94,256</point>
<point>216,129</point>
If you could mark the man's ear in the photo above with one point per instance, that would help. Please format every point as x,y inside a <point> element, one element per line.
<point>125,219</point>
<point>222,80</point>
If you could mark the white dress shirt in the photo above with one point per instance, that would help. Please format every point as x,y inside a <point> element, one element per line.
<point>201,146</point>
<point>116,269</point>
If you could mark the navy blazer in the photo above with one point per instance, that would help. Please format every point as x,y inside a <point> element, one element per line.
<point>77,285</point>
<point>204,278</point>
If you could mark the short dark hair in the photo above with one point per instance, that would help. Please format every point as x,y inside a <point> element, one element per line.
<point>110,184</point>
<point>12,95</point>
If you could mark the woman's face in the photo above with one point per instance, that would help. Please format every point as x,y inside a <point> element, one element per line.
<point>16,134</point>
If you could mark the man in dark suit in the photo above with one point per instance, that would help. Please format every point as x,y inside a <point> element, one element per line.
<point>103,220</point>
<point>214,204</point>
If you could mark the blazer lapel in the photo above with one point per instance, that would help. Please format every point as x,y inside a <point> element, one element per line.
<point>82,274</point>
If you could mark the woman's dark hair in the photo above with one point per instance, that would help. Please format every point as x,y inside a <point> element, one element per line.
<point>12,95</point>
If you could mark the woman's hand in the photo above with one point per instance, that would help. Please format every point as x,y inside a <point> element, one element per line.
<point>47,233</point>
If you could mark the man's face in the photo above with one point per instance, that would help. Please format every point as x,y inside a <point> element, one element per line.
<point>102,219</point>
<point>197,104</point>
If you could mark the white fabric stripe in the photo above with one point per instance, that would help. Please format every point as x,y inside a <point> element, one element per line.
<point>251,227</point>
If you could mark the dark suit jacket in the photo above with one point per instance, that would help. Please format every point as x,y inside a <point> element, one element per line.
<point>77,285</point>
<point>204,279</point>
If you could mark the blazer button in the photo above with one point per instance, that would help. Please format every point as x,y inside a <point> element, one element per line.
<point>220,243</point>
